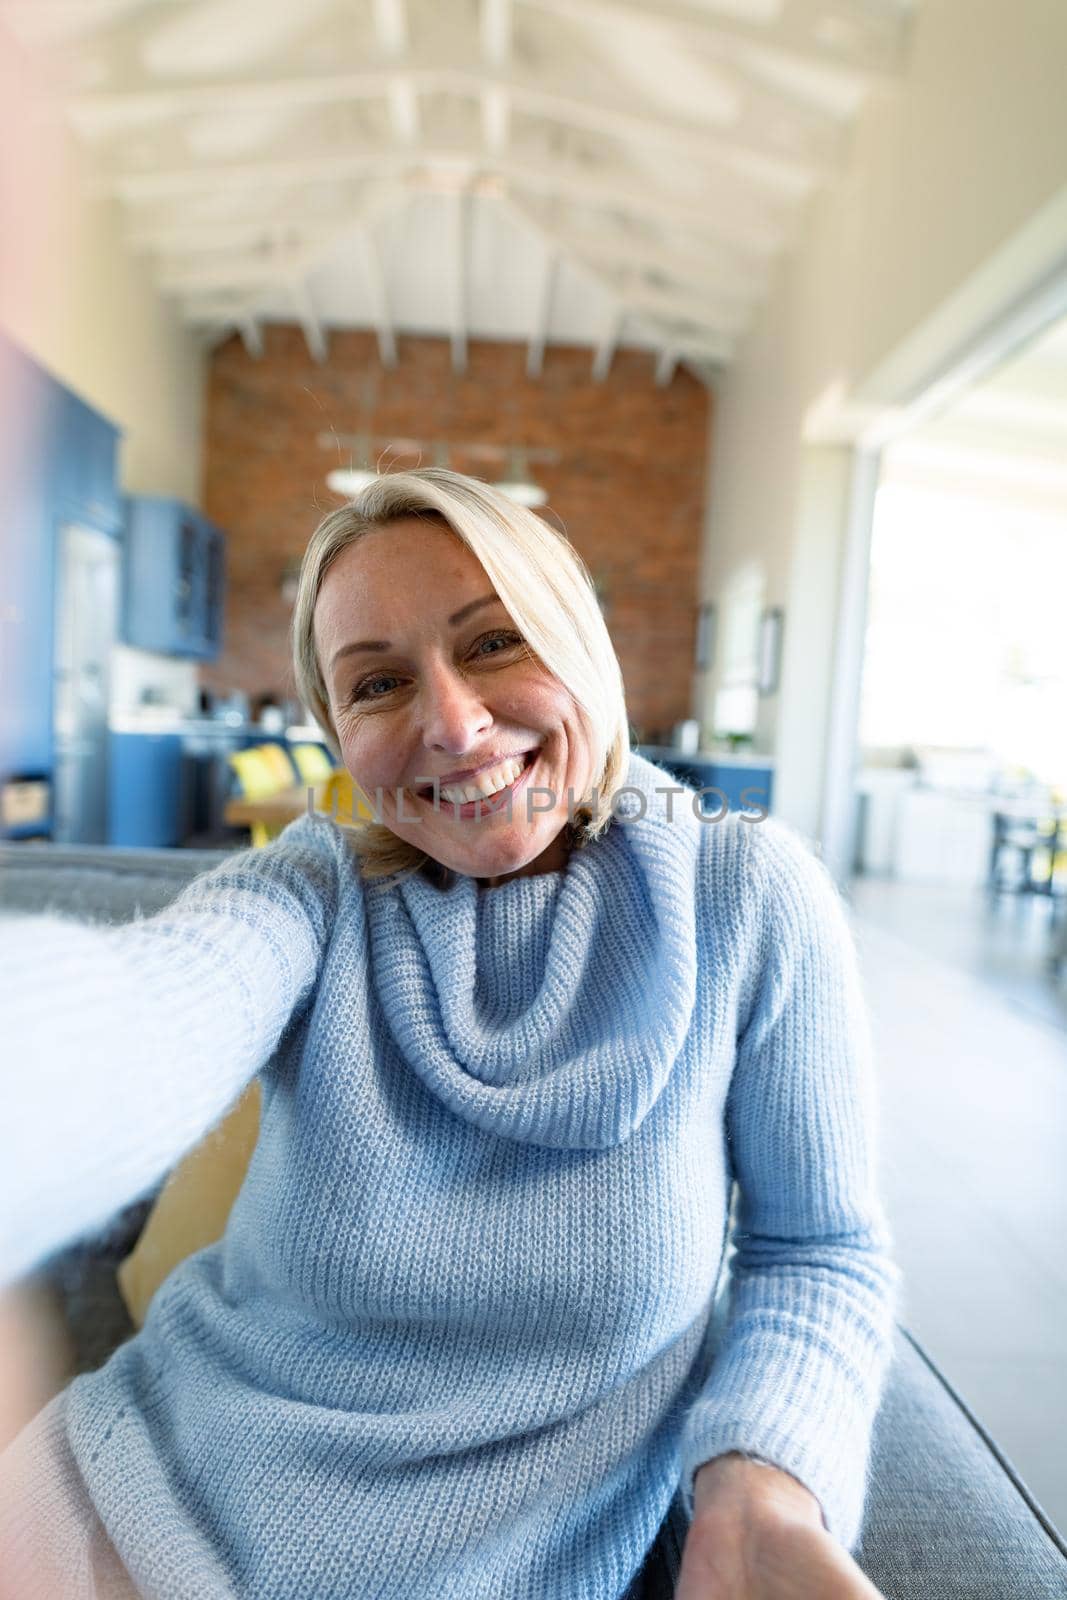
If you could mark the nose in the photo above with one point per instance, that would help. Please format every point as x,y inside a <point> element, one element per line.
<point>454,716</point>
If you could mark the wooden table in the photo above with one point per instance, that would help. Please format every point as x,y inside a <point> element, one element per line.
<point>285,805</point>
<point>275,810</point>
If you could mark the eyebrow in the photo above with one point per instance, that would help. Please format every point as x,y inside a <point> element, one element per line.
<point>383,644</point>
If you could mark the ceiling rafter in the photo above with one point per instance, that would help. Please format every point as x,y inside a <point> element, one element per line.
<point>180,242</point>
<point>800,149</point>
<point>666,362</point>
<point>721,314</point>
<point>252,336</point>
<point>850,35</point>
<point>542,316</point>
<point>712,343</point>
<point>378,291</point>
<point>748,228</point>
<point>867,38</point>
<point>604,354</point>
<point>308,317</point>
<point>608,247</point>
<point>459,228</point>
<point>495,19</point>
<point>283,268</point>
<point>574,155</point>
<point>391,30</point>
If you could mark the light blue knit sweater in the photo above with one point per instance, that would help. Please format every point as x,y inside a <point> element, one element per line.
<point>457,1342</point>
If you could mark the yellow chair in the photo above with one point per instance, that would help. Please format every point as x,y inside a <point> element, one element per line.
<point>259,776</point>
<point>194,1204</point>
<point>344,800</point>
<point>312,762</point>
<point>278,762</point>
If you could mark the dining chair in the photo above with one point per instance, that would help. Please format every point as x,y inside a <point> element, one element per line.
<point>258,777</point>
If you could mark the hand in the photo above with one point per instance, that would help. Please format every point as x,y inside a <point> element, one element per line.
<point>757,1534</point>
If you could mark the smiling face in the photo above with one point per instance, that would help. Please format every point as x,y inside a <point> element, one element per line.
<point>429,679</point>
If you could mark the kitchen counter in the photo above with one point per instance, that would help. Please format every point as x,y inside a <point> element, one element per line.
<point>716,758</point>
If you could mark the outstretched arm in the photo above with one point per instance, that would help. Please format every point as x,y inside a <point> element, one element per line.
<point>121,1046</point>
<point>813,1290</point>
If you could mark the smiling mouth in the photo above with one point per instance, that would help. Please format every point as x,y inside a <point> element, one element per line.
<point>426,791</point>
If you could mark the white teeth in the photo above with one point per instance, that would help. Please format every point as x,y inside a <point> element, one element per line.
<point>485,784</point>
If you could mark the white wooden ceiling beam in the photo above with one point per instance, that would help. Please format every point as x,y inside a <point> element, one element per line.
<point>458,225</point>
<point>280,262</point>
<point>712,270</point>
<point>666,362</point>
<point>750,230</point>
<point>308,317</point>
<point>379,297</point>
<point>178,239</point>
<point>404,109</point>
<point>605,350</point>
<point>845,34</point>
<point>765,162</point>
<point>235,272</point>
<point>252,337</point>
<point>714,273</point>
<point>692,345</point>
<point>719,313</point>
<point>391,27</point>
<point>718,318</point>
<point>667,317</point>
<point>743,237</point>
<point>695,347</point>
<point>541,320</point>
<point>394,41</point>
<point>738,286</point>
<point>729,149</point>
<point>495,18</point>
<point>206,310</point>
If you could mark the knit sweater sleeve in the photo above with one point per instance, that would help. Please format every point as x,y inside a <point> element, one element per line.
<point>813,1289</point>
<point>123,1045</point>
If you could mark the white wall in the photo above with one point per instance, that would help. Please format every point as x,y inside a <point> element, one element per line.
<point>76,300</point>
<point>953,203</point>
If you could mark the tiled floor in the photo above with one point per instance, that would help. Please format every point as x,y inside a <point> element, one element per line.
<point>971,1032</point>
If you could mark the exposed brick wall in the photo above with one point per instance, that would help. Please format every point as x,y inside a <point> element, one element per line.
<point>628,481</point>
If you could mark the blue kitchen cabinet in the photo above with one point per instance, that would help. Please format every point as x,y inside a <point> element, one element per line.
<point>85,487</point>
<point>215,579</point>
<point>740,782</point>
<point>173,579</point>
<point>59,470</point>
<point>145,790</point>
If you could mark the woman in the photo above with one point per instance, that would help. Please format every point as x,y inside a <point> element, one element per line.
<point>518,1036</point>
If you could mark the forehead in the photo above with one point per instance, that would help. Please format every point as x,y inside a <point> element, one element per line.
<point>395,575</point>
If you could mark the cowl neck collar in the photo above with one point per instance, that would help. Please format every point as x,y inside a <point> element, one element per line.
<point>550,1009</point>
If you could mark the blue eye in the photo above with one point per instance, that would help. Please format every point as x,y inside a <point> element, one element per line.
<point>504,637</point>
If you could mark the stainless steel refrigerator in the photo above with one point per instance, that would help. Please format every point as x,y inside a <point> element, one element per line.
<point>86,624</point>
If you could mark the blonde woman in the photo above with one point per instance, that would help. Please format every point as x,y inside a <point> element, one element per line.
<point>466,1335</point>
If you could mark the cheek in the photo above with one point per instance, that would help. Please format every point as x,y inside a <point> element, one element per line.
<point>371,755</point>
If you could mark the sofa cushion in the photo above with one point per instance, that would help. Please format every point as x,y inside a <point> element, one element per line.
<point>94,883</point>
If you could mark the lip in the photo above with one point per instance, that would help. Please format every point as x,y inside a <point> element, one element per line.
<point>485,808</point>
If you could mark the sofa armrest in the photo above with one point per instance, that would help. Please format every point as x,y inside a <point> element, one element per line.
<point>947,1516</point>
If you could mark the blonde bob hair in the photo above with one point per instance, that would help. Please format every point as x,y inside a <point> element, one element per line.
<point>549,594</point>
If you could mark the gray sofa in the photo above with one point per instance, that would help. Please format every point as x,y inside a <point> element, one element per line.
<point>948,1517</point>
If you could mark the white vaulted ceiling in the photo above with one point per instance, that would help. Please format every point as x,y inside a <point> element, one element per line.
<point>580,171</point>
